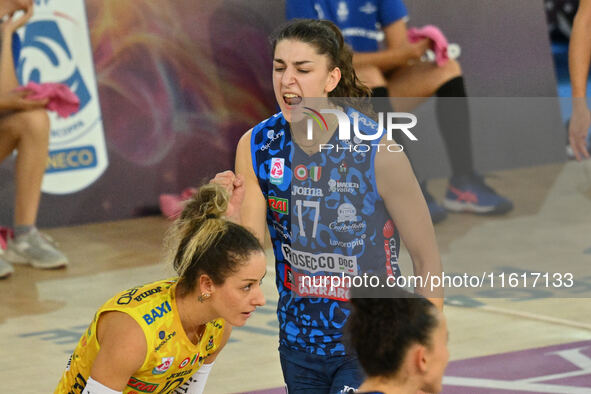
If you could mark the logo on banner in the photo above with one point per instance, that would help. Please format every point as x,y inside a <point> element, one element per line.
<point>55,47</point>
<point>46,36</point>
<point>71,159</point>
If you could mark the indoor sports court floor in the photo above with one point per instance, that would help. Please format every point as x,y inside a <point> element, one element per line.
<point>497,345</point>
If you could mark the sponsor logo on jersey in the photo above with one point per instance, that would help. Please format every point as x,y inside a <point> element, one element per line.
<point>368,8</point>
<point>272,137</point>
<point>148,293</point>
<point>209,343</point>
<point>315,286</point>
<point>179,374</point>
<point>280,228</point>
<point>348,244</point>
<point>144,387</point>
<point>157,312</point>
<point>322,262</point>
<point>388,230</point>
<point>164,365</point>
<point>277,170</point>
<point>346,213</point>
<point>78,384</point>
<point>306,191</point>
<point>392,268</point>
<point>69,364</point>
<point>342,11</point>
<point>301,173</point>
<point>342,187</point>
<point>127,296</point>
<point>319,11</point>
<point>165,339</point>
<point>278,204</point>
<point>347,227</point>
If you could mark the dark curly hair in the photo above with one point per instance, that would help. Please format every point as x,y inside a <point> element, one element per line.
<point>328,40</point>
<point>380,330</point>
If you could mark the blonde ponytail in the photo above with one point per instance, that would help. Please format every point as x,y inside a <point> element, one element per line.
<point>207,243</point>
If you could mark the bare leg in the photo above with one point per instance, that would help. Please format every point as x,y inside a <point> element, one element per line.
<point>410,85</point>
<point>371,76</point>
<point>28,132</point>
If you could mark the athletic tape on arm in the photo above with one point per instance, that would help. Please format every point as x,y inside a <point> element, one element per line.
<point>196,383</point>
<point>94,387</point>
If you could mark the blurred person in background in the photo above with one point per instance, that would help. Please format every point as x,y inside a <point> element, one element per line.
<point>388,63</point>
<point>24,129</point>
<point>579,60</point>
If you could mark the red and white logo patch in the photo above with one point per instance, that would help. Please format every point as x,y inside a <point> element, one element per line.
<point>300,172</point>
<point>277,170</point>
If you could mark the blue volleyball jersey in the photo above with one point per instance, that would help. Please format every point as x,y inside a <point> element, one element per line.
<point>360,21</point>
<point>326,220</point>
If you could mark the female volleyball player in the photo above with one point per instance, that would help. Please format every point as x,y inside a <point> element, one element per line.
<point>400,342</point>
<point>165,335</point>
<point>332,213</point>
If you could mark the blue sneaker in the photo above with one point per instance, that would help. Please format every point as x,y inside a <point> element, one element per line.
<point>469,193</point>
<point>437,211</point>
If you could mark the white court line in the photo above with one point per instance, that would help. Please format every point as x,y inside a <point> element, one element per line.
<point>513,386</point>
<point>533,316</point>
<point>564,375</point>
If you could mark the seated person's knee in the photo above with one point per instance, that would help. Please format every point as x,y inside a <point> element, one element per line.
<point>35,123</point>
<point>370,75</point>
<point>452,69</point>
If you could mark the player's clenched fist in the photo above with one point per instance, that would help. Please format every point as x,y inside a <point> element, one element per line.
<point>234,185</point>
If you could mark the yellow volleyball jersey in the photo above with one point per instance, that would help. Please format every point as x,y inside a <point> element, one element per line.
<point>171,357</point>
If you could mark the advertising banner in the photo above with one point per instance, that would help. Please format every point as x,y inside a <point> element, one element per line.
<point>56,48</point>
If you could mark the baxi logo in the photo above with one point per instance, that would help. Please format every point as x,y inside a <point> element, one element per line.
<point>53,56</point>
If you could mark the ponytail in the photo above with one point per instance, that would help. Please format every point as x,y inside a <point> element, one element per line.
<point>207,242</point>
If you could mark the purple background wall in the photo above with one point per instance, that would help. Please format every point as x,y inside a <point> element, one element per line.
<point>180,81</point>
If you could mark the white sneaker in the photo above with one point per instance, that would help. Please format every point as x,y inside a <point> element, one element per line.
<point>35,249</point>
<point>5,269</point>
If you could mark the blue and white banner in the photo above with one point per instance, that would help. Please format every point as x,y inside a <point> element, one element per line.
<point>56,48</point>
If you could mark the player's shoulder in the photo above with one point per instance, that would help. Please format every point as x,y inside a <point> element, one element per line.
<point>363,121</point>
<point>142,293</point>
<point>271,122</point>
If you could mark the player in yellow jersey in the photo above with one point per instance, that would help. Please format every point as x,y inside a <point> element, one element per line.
<point>164,336</point>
